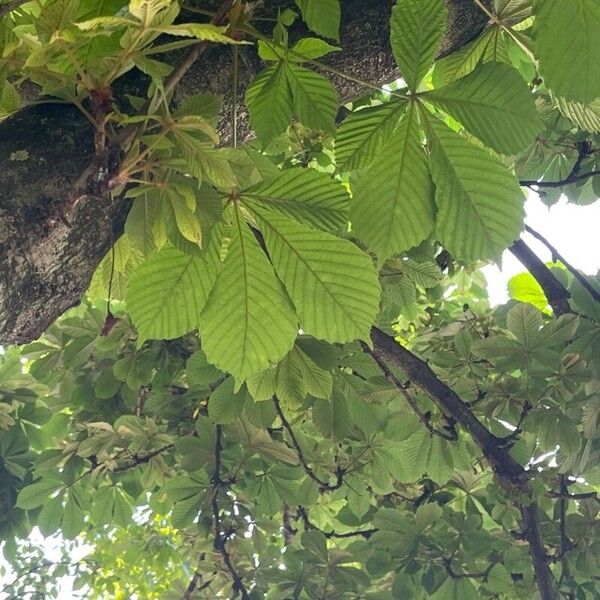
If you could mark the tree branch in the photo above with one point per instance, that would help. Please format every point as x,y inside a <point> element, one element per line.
<point>365,533</point>
<point>450,435</point>
<point>324,486</point>
<point>220,538</point>
<point>447,562</point>
<point>556,293</point>
<point>508,472</point>
<point>556,256</point>
<point>10,6</point>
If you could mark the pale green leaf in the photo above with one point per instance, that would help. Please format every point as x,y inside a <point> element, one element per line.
<point>305,195</point>
<point>525,322</point>
<point>584,116</point>
<point>478,217</point>
<point>362,135</point>
<point>224,405</point>
<point>168,291</point>
<point>248,323</point>
<point>331,282</point>
<point>566,34</point>
<point>322,16</point>
<point>417,28</point>
<point>393,207</point>
<point>494,104</point>
<point>269,101</point>
<point>315,100</point>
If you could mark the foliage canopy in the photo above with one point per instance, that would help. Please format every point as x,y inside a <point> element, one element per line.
<point>285,379</point>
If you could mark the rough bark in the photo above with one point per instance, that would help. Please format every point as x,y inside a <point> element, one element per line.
<point>47,259</point>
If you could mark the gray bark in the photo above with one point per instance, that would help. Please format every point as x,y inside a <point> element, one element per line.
<point>50,245</point>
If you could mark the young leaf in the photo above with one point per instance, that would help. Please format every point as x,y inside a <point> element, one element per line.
<point>331,282</point>
<point>494,104</point>
<point>417,27</point>
<point>168,291</point>
<point>393,208</point>
<point>478,217</point>
<point>248,323</point>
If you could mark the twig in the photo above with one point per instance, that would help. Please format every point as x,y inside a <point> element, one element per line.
<point>323,485</point>
<point>140,460</point>
<point>574,176</point>
<point>221,538</point>
<point>451,435</point>
<point>555,292</point>
<point>288,530</point>
<point>514,436</point>
<point>556,256</point>
<point>365,533</point>
<point>447,562</point>
<point>582,496</point>
<point>565,542</point>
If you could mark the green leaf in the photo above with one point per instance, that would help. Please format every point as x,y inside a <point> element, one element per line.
<point>305,195</point>
<point>315,100</point>
<point>361,136</point>
<point>331,282</point>
<point>584,116</point>
<point>567,48</point>
<point>248,323</point>
<point>417,28</point>
<point>456,589</point>
<point>139,226</point>
<point>224,405</point>
<point>168,292</point>
<point>478,217</point>
<point>50,516</point>
<point>393,207</point>
<point>494,104</point>
<point>525,322</point>
<point>36,494</point>
<point>269,101</point>
<point>524,287</point>
<point>322,16</point>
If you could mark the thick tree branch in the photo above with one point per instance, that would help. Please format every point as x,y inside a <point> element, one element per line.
<point>508,472</point>
<point>45,150</point>
<point>10,6</point>
<point>324,486</point>
<point>556,293</point>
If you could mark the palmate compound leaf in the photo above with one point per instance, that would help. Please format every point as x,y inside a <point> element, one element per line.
<point>248,323</point>
<point>417,27</point>
<point>494,104</point>
<point>479,201</point>
<point>393,208</point>
<point>168,291</point>
<point>566,34</point>
<point>330,281</point>
<point>305,195</point>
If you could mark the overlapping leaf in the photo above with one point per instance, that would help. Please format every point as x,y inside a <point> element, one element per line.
<point>480,203</point>
<point>248,323</point>
<point>331,282</point>
<point>393,207</point>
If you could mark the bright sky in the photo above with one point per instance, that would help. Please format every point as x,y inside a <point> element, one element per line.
<point>573,230</point>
